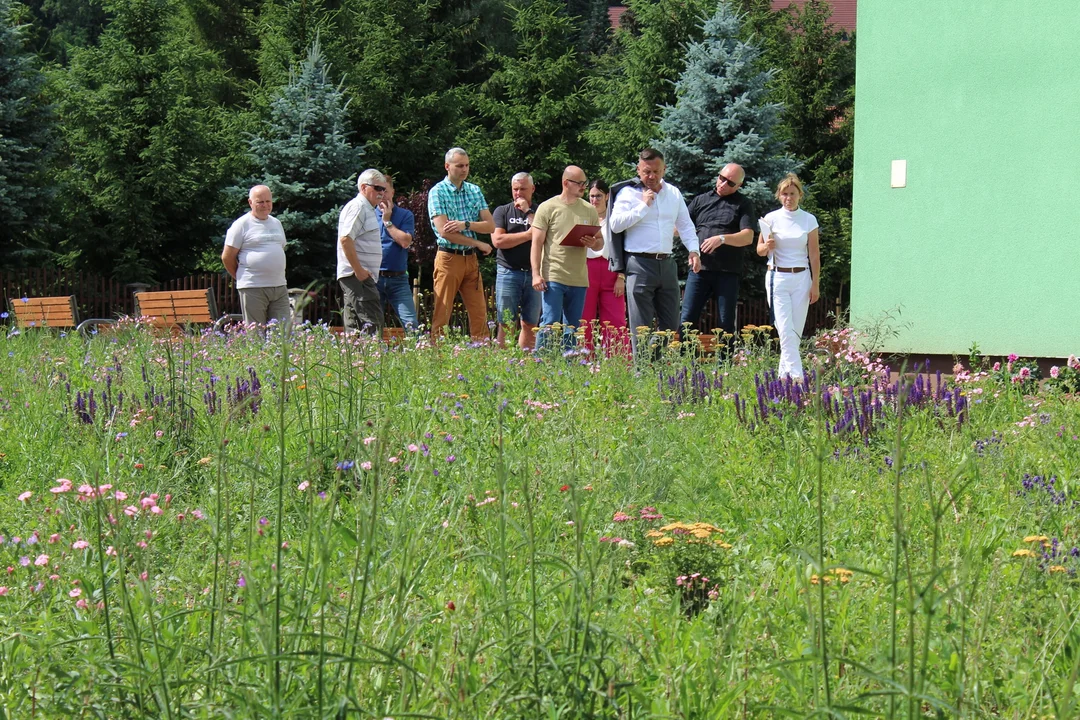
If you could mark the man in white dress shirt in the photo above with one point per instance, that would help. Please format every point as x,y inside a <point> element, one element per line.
<point>642,218</point>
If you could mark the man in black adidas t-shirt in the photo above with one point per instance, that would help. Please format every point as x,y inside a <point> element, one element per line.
<point>515,298</point>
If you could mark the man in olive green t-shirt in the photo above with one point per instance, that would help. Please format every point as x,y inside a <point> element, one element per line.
<point>559,271</point>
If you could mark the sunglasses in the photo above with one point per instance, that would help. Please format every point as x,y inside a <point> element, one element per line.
<point>377,188</point>
<point>727,181</point>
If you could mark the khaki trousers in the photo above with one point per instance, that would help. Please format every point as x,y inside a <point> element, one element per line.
<point>459,274</point>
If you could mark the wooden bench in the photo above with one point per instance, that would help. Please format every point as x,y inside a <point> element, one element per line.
<point>51,312</point>
<point>175,309</point>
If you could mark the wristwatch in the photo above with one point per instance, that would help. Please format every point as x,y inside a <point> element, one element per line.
<point>388,224</point>
<point>722,239</point>
<point>468,224</point>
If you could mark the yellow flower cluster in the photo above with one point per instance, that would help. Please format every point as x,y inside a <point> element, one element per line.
<point>841,575</point>
<point>698,532</point>
<point>1024,553</point>
<point>1037,538</point>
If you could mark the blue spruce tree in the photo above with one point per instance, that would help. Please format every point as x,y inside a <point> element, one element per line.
<point>721,115</point>
<point>26,142</point>
<point>306,159</point>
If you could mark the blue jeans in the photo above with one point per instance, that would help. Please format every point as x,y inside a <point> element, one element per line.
<point>515,298</point>
<point>723,286</point>
<point>563,304</point>
<point>395,292</point>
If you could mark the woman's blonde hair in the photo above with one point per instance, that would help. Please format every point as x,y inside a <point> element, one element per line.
<point>790,180</point>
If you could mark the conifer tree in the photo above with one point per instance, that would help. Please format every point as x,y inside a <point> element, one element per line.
<point>535,102</point>
<point>814,78</point>
<point>722,114</point>
<point>305,157</point>
<point>147,150</point>
<point>229,28</point>
<point>57,26</point>
<point>287,29</point>
<point>637,77</point>
<point>26,142</point>
<point>409,98</point>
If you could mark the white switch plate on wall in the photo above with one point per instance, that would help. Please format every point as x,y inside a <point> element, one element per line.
<point>899,173</point>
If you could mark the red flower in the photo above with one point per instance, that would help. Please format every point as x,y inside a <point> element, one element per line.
<point>450,606</point>
<point>564,488</point>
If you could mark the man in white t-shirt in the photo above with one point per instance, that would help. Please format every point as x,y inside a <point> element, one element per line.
<point>254,255</point>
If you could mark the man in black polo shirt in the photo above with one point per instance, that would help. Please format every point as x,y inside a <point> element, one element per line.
<point>515,298</point>
<point>725,221</point>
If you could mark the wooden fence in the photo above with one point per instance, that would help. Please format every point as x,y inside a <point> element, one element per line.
<point>102,297</point>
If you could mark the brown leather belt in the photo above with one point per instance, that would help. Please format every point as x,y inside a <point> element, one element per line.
<point>651,256</point>
<point>788,270</point>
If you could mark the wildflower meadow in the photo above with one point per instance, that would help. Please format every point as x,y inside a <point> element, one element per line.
<point>305,525</point>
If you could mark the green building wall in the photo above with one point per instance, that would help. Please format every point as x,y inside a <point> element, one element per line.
<point>982,101</point>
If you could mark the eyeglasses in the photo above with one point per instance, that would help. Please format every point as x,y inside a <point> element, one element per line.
<point>579,183</point>
<point>379,188</point>
<point>726,181</point>
<point>593,196</point>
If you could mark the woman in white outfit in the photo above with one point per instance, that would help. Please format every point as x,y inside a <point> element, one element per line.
<point>789,237</point>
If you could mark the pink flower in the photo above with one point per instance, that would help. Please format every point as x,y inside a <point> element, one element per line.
<point>1025,373</point>
<point>75,592</point>
<point>25,496</point>
<point>303,486</point>
<point>147,502</point>
<point>393,460</point>
<point>159,433</point>
<point>142,576</point>
<point>369,440</point>
<point>412,447</point>
<point>156,510</point>
<point>365,465</point>
<point>3,591</point>
<point>82,604</point>
<point>1073,362</point>
<point>80,545</point>
<point>197,514</point>
<point>131,511</point>
<point>41,560</point>
<point>180,517</point>
<point>54,538</point>
<point>63,487</point>
<point>1013,357</point>
<point>997,367</point>
<point>1055,371</point>
<point>120,495</point>
<point>110,551</point>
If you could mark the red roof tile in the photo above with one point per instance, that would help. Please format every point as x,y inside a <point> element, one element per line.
<point>614,12</point>
<point>843,14</point>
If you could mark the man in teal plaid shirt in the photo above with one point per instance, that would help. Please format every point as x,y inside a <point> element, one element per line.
<point>458,211</point>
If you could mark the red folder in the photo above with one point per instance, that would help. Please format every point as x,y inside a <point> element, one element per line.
<point>573,238</point>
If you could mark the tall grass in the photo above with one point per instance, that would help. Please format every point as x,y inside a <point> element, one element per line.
<point>301,525</point>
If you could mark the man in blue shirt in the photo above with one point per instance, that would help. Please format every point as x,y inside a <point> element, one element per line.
<point>398,226</point>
